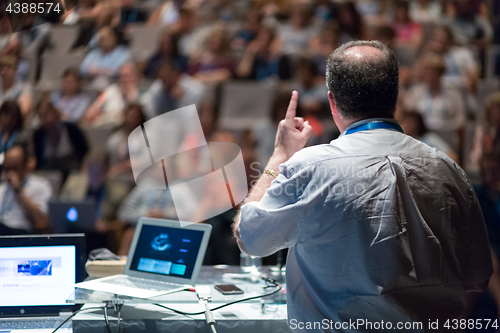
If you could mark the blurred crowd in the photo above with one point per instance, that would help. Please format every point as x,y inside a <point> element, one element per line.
<point>75,84</point>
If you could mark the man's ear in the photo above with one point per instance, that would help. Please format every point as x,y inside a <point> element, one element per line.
<point>333,105</point>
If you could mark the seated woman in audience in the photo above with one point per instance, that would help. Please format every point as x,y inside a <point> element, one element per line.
<point>105,61</point>
<point>11,125</point>
<point>413,125</point>
<point>408,33</point>
<point>261,59</point>
<point>70,100</point>
<point>295,36</point>
<point>443,109</point>
<point>487,135</point>
<point>168,48</point>
<point>108,107</point>
<point>119,179</point>
<point>59,145</point>
<point>11,88</point>
<point>214,63</point>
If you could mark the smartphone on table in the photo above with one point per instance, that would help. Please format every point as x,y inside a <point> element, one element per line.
<point>228,289</point>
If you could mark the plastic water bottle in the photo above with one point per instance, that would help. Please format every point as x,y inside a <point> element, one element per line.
<point>250,263</point>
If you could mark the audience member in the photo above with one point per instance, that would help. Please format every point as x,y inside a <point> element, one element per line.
<point>12,89</point>
<point>14,48</point>
<point>313,94</point>
<point>462,69</point>
<point>262,61</point>
<point>214,64</point>
<point>119,178</point>
<point>168,48</point>
<point>425,11</point>
<point>487,134</point>
<point>108,107</point>
<point>59,145</point>
<point>351,23</point>
<point>324,45</point>
<point>171,91</point>
<point>23,197</point>
<point>408,33</point>
<point>467,26</point>
<point>442,108</point>
<point>166,14</point>
<point>143,201</point>
<point>83,10</point>
<point>71,101</point>
<point>105,61</point>
<point>325,11</point>
<point>250,29</point>
<point>11,125</point>
<point>386,34</point>
<point>295,36</point>
<point>129,14</point>
<point>88,33</point>
<point>191,37</point>
<point>413,124</point>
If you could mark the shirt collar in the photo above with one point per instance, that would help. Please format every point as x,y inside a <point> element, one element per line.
<point>366,121</point>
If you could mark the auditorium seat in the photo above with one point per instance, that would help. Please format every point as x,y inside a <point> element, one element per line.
<point>245,103</point>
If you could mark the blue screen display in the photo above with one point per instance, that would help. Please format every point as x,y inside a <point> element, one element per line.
<point>167,251</point>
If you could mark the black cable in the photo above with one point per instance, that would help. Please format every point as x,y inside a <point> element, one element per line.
<point>118,310</point>
<point>106,320</point>
<point>220,306</point>
<point>74,314</point>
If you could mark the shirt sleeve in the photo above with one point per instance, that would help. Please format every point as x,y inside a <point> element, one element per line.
<point>275,222</point>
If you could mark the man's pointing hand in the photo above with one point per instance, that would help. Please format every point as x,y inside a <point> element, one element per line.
<point>293,132</point>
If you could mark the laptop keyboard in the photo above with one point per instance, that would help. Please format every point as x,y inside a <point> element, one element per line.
<point>26,324</point>
<point>134,282</point>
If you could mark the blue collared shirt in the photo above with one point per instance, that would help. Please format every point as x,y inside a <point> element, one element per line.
<point>112,60</point>
<point>379,226</point>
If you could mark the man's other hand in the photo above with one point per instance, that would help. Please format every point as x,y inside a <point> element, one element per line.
<point>293,132</point>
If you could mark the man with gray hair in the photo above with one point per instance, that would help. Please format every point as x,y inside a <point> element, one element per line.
<point>384,232</point>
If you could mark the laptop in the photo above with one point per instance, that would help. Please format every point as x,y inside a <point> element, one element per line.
<point>165,257</point>
<point>37,274</point>
<point>72,216</point>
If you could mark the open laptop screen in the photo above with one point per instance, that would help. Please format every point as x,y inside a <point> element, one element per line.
<point>37,275</point>
<point>167,251</point>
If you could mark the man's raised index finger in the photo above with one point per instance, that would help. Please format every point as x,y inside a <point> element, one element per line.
<point>292,107</point>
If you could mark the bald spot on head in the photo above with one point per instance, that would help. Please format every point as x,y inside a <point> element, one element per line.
<point>362,53</point>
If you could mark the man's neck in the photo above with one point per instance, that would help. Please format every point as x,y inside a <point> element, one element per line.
<point>345,123</point>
